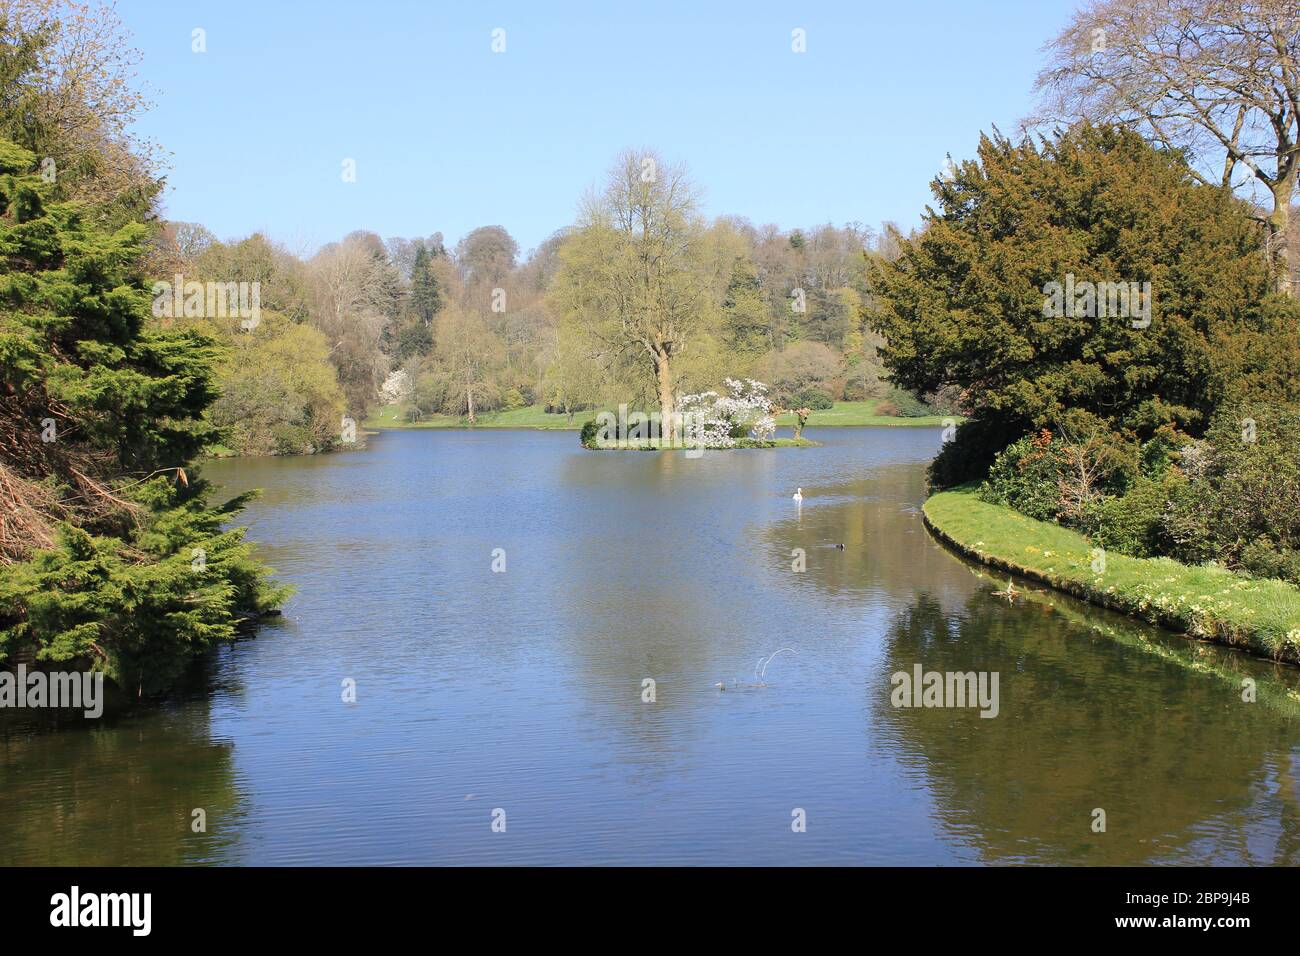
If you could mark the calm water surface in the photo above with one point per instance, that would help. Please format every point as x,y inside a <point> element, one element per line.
<point>523,690</point>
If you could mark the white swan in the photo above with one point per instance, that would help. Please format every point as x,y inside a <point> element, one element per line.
<point>798,496</point>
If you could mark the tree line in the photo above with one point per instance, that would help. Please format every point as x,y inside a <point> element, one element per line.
<point>477,326</point>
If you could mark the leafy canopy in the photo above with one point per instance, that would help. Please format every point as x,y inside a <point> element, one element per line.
<point>964,304</point>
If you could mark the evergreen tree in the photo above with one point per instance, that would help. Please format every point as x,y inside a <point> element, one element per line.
<point>426,297</point>
<point>968,302</point>
<point>113,557</point>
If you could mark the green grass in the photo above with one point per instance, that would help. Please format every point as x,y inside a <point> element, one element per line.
<point>844,414</point>
<point>1208,603</point>
<point>858,414</point>
<point>391,416</point>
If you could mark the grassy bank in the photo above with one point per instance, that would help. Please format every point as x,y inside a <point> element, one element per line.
<point>1208,603</point>
<point>842,415</point>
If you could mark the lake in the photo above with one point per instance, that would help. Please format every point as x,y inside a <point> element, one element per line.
<point>519,696</point>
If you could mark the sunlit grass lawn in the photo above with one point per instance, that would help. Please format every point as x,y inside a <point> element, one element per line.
<point>843,414</point>
<point>532,416</point>
<point>847,414</point>
<point>1208,602</point>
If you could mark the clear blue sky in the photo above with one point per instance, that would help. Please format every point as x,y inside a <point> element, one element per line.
<point>448,136</point>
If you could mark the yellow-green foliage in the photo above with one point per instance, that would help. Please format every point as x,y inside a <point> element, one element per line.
<point>279,394</point>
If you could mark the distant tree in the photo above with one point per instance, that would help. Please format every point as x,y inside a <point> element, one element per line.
<point>633,273</point>
<point>1219,78</point>
<point>798,367</point>
<point>426,298</point>
<point>356,294</point>
<point>279,393</point>
<point>463,374</point>
<point>780,273</point>
<point>401,252</point>
<point>190,239</point>
<point>747,322</point>
<point>410,340</point>
<point>486,256</point>
<point>175,247</point>
<point>830,316</point>
<point>538,271</point>
<point>280,275</point>
<point>573,379</point>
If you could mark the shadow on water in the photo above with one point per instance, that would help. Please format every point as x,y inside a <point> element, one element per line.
<point>1097,710</point>
<point>886,549</point>
<point>1184,769</point>
<point>119,791</point>
<point>122,789</point>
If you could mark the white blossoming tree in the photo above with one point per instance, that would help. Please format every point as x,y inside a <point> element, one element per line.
<point>396,388</point>
<point>745,405</point>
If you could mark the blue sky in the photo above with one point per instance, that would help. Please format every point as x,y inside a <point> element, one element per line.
<point>448,135</point>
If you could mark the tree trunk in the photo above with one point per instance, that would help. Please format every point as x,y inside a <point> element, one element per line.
<point>664,377</point>
<point>1279,224</point>
<point>469,400</point>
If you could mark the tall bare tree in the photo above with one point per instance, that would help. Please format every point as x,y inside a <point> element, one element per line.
<point>468,359</point>
<point>1218,78</point>
<point>354,296</point>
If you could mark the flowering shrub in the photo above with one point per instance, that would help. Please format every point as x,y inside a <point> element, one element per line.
<point>396,388</point>
<point>1026,475</point>
<point>746,406</point>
